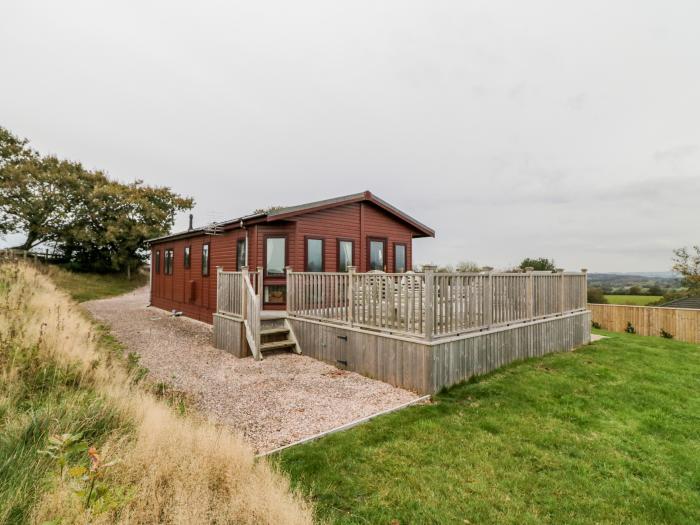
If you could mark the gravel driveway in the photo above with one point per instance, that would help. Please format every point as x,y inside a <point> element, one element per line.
<point>273,402</point>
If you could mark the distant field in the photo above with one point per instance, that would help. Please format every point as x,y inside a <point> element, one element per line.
<point>637,300</point>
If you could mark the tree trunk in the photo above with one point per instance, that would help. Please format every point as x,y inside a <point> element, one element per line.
<point>128,271</point>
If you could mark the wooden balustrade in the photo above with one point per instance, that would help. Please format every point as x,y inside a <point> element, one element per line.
<point>433,304</point>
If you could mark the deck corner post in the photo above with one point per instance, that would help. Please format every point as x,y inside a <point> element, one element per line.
<point>429,298</point>
<point>244,295</point>
<point>219,286</point>
<point>562,290</point>
<point>530,293</point>
<point>260,281</point>
<point>488,297</point>
<point>290,289</point>
<point>584,291</point>
<point>351,293</point>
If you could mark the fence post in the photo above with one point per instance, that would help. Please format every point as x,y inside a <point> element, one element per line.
<point>260,281</point>
<point>219,286</point>
<point>244,292</point>
<point>584,291</point>
<point>530,293</point>
<point>351,293</point>
<point>290,289</point>
<point>488,296</point>
<point>429,300</point>
<point>560,271</point>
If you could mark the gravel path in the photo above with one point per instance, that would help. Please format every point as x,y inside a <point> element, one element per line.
<point>276,401</point>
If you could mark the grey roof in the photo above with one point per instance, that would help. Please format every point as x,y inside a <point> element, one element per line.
<point>289,211</point>
<point>685,302</point>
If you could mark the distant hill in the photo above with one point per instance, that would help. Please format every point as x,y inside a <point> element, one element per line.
<point>620,282</point>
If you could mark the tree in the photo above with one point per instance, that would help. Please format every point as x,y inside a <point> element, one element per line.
<point>635,290</point>
<point>468,267</point>
<point>655,289</point>
<point>540,264</point>
<point>687,263</point>
<point>97,223</point>
<point>596,295</point>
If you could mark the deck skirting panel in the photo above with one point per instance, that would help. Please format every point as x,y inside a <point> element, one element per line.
<point>426,368</point>
<point>229,335</point>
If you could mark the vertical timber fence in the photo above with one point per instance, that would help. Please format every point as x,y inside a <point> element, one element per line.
<point>432,305</point>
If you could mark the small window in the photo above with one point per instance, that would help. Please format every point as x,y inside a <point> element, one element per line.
<point>205,259</point>
<point>376,256</point>
<point>241,255</point>
<point>168,262</point>
<point>275,294</point>
<point>156,264</point>
<point>314,255</point>
<point>345,249</point>
<point>399,258</point>
<point>186,256</point>
<point>275,255</point>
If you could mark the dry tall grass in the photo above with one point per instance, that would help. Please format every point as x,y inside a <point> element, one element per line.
<point>173,469</point>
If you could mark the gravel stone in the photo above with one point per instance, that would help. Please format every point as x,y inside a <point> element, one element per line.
<point>279,400</point>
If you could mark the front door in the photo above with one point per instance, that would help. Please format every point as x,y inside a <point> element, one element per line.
<point>274,292</point>
<point>376,254</point>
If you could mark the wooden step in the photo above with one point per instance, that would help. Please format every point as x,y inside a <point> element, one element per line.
<point>275,331</point>
<point>277,345</point>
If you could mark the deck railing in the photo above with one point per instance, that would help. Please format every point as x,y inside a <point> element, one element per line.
<point>429,304</point>
<point>238,296</point>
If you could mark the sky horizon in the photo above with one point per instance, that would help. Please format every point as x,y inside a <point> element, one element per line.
<point>546,129</point>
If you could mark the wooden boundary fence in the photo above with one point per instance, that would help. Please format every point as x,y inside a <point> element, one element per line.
<point>682,323</point>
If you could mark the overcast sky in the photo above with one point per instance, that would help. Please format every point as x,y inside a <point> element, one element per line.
<point>569,130</point>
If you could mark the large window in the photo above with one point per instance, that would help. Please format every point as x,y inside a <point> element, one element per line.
<point>275,256</point>
<point>187,256</point>
<point>241,255</point>
<point>345,249</point>
<point>156,263</point>
<point>314,255</point>
<point>168,262</point>
<point>399,258</point>
<point>376,255</point>
<point>205,259</point>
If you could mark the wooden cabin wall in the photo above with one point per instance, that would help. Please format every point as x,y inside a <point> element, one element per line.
<point>355,221</point>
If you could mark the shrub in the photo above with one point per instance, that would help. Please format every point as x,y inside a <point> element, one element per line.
<point>665,334</point>
<point>595,324</point>
<point>596,296</point>
<point>630,329</point>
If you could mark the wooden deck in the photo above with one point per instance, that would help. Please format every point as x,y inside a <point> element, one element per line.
<point>421,331</point>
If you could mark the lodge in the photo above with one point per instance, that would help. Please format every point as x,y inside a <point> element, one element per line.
<point>333,280</point>
<point>359,230</point>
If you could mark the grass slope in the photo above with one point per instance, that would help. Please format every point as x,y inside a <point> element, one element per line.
<point>635,300</point>
<point>60,373</point>
<point>609,433</point>
<point>88,286</point>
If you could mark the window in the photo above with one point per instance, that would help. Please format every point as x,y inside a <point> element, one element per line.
<point>205,259</point>
<point>157,261</point>
<point>314,255</point>
<point>241,255</point>
<point>186,256</point>
<point>399,258</point>
<point>168,270</point>
<point>345,249</point>
<point>275,294</point>
<point>376,255</point>
<point>275,256</point>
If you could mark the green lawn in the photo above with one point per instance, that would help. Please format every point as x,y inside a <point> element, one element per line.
<point>636,300</point>
<point>609,433</point>
<point>88,286</point>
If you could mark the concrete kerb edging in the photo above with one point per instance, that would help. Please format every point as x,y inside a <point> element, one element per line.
<point>346,426</point>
